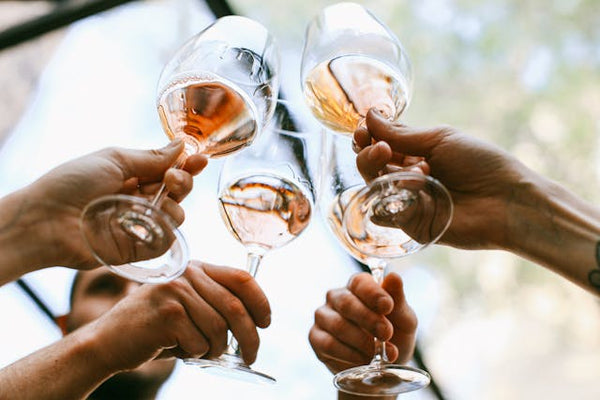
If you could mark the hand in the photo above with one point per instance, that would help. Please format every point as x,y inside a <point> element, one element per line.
<point>51,207</point>
<point>346,325</point>
<point>483,180</point>
<point>187,317</point>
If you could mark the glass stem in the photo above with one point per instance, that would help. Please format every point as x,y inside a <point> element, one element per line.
<point>253,260</point>
<point>377,268</point>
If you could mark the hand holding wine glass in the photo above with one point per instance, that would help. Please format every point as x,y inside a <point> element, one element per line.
<point>216,95</point>
<point>266,198</point>
<point>344,327</point>
<point>352,211</point>
<point>48,210</point>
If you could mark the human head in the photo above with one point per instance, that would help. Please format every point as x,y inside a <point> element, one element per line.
<point>92,294</point>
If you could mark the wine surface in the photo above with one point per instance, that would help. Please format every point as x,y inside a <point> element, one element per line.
<point>265,210</point>
<point>341,91</point>
<point>219,117</point>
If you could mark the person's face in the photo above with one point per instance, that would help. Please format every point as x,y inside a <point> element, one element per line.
<point>96,292</point>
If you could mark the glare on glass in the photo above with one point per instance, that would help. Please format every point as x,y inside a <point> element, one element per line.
<point>215,94</point>
<point>352,63</point>
<point>266,197</point>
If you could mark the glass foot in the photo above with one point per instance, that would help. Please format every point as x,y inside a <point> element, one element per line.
<point>231,366</point>
<point>381,380</point>
<point>134,239</point>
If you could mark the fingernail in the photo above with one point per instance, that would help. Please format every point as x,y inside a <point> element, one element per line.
<point>266,321</point>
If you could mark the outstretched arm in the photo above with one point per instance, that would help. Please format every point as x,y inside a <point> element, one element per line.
<point>499,202</point>
<point>39,224</point>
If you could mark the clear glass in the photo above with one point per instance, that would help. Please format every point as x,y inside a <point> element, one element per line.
<point>216,93</point>
<point>374,231</point>
<point>266,198</point>
<point>352,62</point>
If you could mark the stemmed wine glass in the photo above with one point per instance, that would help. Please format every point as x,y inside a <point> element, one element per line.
<point>216,94</point>
<point>266,198</point>
<point>374,234</point>
<point>352,63</point>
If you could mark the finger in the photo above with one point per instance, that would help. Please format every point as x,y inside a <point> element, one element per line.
<point>145,163</point>
<point>412,141</point>
<point>179,183</point>
<point>402,317</point>
<point>352,309</point>
<point>372,295</point>
<point>200,310</point>
<point>233,309</point>
<point>191,341</point>
<point>361,139</point>
<point>195,163</point>
<point>333,353</point>
<point>349,338</point>
<point>246,289</point>
<point>373,159</point>
<point>174,210</point>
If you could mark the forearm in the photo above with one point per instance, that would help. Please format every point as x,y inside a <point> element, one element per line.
<point>20,248</point>
<point>68,369</point>
<point>554,228</point>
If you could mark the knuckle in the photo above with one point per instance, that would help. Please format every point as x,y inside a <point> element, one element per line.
<point>337,326</point>
<point>344,305</point>
<point>171,310</point>
<point>235,309</point>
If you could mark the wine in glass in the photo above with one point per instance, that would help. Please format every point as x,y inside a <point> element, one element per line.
<point>374,234</point>
<point>216,94</point>
<point>351,63</point>
<point>266,197</point>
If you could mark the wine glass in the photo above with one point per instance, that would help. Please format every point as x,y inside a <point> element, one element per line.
<point>216,93</point>
<point>375,231</point>
<point>266,198</point>
<point>352,62</point>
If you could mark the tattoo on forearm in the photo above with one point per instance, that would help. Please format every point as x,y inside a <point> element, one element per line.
<point>594,275</point>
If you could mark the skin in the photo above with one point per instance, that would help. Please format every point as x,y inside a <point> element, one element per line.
<point>124,336</point>
<point>344,329</point>
<point>499,203</point>
<point>39,224</point>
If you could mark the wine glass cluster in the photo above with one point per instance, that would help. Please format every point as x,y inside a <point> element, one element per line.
<point>219,93</point>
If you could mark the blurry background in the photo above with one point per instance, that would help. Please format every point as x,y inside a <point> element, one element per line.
<point>525,75</point>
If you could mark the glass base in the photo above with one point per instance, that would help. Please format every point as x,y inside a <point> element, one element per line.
<point>134,239</point>
<point>232,367</point>
<point>381,380</point>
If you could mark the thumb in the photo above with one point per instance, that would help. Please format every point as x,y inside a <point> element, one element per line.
<point>402,316</point>
<point>403,139</point>
<point>147,163</point>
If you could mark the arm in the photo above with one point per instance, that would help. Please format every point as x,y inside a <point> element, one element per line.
<point>188,317</point>
<point>39,224</point>
<point>499,202</point>
<point>346,325</point>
